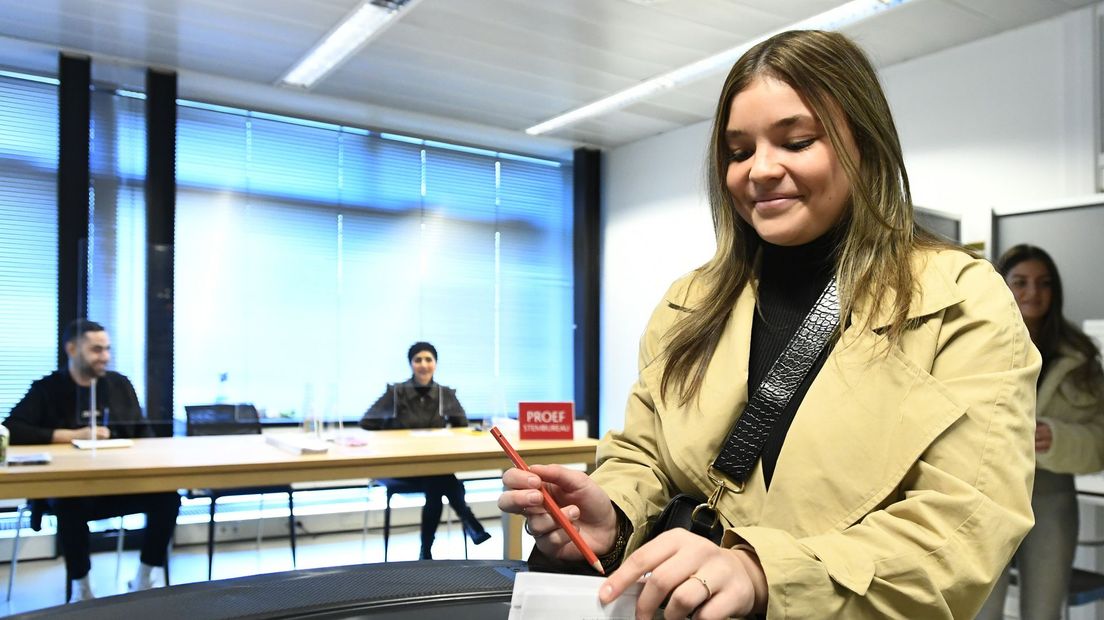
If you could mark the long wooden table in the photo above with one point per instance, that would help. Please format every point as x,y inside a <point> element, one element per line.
<point>225,461</point>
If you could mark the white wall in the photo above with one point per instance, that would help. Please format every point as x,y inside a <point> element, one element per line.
<point>656,226</point>
<point>1005,120</point>
<point>1000,121</point>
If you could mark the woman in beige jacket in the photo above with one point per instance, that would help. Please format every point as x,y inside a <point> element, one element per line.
<point>1069,435</point>
<point>896,483</point>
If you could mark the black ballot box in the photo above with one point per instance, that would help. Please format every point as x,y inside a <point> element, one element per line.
<point>457,589</point>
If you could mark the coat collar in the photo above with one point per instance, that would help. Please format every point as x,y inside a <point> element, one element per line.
<point>934,290</point>
<point>1068,359</point>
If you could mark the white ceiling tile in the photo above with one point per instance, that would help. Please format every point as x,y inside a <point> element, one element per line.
<point>503,64</point>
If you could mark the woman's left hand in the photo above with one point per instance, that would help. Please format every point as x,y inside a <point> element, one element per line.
<point>695,575</point>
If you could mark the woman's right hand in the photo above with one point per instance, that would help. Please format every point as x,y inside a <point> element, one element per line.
<point>1044,437</point>
<point>583,502</point>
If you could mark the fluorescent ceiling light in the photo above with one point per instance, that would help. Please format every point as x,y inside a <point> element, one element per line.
<point>832,19</point>
<point>359,27</point>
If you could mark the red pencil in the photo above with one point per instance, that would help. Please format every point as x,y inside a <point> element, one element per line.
<point>549,503</point>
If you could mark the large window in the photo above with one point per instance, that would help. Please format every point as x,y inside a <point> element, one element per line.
<point>28,233</point>
<point>117,246</point>
<point>310,256</point>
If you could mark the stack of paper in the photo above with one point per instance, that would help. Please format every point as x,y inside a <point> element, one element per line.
<point>297,444</point>
<point>432,432</point>
<point>34,458</point>
<point>551,596</point>
<point>88,444</point>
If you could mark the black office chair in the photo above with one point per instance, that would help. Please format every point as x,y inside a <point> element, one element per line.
<point>232,420</point>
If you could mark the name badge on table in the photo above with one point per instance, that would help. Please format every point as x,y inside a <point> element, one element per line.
<point>546,420</point>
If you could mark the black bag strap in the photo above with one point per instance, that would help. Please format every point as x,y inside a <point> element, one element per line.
<point>745,441</point>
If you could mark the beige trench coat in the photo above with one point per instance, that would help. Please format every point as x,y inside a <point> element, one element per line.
<point>904,483</point>
<point>1076,419</point>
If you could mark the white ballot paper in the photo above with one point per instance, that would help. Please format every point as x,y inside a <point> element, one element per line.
<point>296,443</point>
<point>91,444</point>
<point>432,432</point>
<point>551,596</point>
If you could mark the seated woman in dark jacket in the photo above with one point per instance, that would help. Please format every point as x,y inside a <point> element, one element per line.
<point>419,402</point>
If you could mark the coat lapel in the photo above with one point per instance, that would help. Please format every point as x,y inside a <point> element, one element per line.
<point>869,414</point>
<point>1055,375</point>
<point>694,432</point>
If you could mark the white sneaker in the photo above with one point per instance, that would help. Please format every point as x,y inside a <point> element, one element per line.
<point>137,585</point>
<point>81,594</point>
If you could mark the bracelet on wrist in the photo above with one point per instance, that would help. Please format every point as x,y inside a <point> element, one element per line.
<point>612,558</point>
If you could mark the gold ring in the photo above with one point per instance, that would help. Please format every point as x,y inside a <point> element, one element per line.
<point>708,592</point>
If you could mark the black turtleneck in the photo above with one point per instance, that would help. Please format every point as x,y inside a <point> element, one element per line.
<point>790,281</point>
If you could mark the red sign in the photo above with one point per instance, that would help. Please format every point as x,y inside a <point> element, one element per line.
<point>546,420</point>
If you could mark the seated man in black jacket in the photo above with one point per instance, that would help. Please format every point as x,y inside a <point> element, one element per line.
<point>57,409</point>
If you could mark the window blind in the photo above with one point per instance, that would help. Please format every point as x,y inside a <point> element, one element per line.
<point>28,234</point>
<point>310,256</point>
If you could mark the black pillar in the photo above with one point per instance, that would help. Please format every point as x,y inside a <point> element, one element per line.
<point>74,108</point>
<point>160,227</point>
<point>587,186</point>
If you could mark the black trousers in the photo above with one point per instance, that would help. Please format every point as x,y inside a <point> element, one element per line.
<point>434,488</point>
<point>74,513</point>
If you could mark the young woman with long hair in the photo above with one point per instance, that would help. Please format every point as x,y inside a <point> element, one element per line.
<point>1069,435</point>
<point>894,481</point>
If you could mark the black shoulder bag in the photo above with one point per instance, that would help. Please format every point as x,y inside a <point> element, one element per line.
<point>745,441</point>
